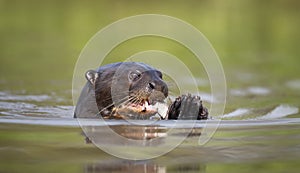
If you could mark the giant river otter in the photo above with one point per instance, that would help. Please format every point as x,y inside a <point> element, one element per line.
<point>132,90</point>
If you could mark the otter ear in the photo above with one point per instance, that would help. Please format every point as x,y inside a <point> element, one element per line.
<point>91,76</point>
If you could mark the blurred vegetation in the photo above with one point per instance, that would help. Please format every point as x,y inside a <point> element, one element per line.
<point>41,40</point>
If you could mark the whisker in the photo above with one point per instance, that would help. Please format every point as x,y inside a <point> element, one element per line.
<point>112,104</point>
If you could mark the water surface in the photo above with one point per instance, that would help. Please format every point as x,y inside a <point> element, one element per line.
<point>47,137</point>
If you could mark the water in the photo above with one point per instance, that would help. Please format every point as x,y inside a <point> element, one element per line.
<point>258,44</point>
<point>35,137</point>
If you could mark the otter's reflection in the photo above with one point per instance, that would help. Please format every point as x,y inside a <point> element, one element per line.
<point>139,142</point>
<point>125,166</point>
<point>140,132</point>
<point>143,167</point>
<point>151,135</point>
<point>142,135</point>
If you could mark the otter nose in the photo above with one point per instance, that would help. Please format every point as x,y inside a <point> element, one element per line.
<point>165,90</point>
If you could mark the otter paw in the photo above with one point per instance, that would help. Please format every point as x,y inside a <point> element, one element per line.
<point>187,107</point>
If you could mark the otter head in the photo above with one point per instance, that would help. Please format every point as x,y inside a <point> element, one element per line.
<point>127,89</point>
<point>147,87</point>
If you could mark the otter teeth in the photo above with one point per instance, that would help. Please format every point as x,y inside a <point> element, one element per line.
<point>145,105</point>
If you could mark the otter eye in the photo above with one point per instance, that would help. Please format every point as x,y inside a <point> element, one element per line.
<point>133,76</point>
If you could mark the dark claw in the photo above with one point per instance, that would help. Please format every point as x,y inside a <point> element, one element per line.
<point>187,107</point>
<point>174,109</point>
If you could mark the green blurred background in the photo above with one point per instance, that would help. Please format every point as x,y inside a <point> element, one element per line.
<point>40,41</point>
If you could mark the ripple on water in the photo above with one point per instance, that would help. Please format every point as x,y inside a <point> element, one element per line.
<point>237,113</point>
<point>29,109</point>
<point>27,105</point>
<point>294,84</point>
<point>254,90</point>
<point>280,112</point>
<point>16,105</point>
<point>13,97</point>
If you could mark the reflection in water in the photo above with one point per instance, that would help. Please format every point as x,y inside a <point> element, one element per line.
<point>137,133</point>
<point>254,145</point>
<point>150,135</point>
<point>138,142</point>
<point>125,166</point>
<point>142,167</point>
<point>140,132</point>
